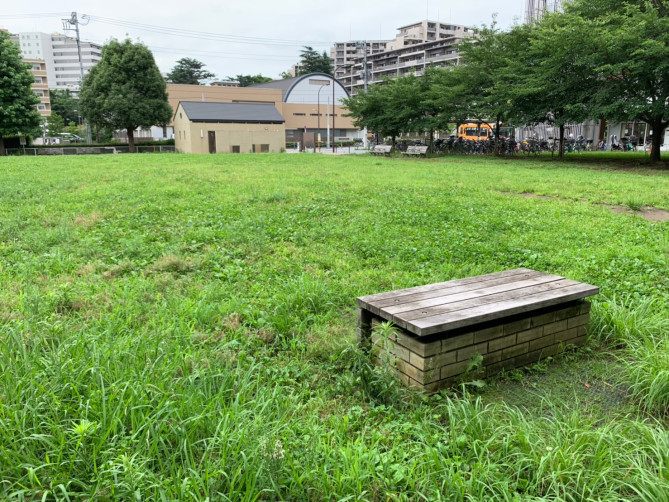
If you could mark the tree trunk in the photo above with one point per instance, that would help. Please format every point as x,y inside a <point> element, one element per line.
<point>393,139</point>
<point>561,150</point>
<point>658,129</point>
<point>497,128</point>
<point>2,147</point>
<point>131,140</point>
<point>431,141</point>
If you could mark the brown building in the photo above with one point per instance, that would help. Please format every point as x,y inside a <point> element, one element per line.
<point>202,127</point>
<point>41,85</point>
<point>304,102</point>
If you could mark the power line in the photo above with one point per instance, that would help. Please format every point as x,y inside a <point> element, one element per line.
<point>201,35</point>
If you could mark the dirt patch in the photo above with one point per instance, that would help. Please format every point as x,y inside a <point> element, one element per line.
<point>652,214</point>
<point>647,213</point>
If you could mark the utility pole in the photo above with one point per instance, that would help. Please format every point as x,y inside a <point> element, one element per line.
<point>67,23</point>
<point>363,45</point>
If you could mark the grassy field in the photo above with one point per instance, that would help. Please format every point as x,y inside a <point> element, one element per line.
<point>182,328</point>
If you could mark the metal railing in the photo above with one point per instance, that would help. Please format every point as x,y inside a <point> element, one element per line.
<point>89,150</point>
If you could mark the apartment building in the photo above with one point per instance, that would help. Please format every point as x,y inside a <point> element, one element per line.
<point>60,55</point>
<point>41,85</point>
<point>415,47</point>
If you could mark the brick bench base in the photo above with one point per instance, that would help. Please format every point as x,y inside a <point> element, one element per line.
<point>434,362</point>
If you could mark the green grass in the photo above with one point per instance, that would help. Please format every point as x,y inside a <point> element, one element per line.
<point>181,327</point>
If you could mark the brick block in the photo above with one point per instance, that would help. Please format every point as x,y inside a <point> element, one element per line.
<point>579,340</point>
<point>438,385</point>
<point>433,362</point>
<point>516,326</point>
<point>457,342</point>
<point>501,343</point>
<point>582,330</point>
<point>581,320</point>
<point>572,311</point>
<point>495,368</point>
<point>542,342</point>
<point>414,344</point>
<point>422,377</point>
<point>585,307</point>
<point>453,370</point>
<point>516,350</point>
<point>488,334</point>
<point>540,320</point>
<point>492,357</point>
<point>562,336</point>
<point>554,327</point>
<point>530,334</point>
<point>467,352</point>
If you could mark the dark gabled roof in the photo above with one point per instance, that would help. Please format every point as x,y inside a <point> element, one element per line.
<point>251,113</point>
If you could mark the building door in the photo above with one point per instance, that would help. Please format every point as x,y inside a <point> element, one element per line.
<point>212,141</point>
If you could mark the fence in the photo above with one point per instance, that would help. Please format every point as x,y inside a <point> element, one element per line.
<point>89,150</point>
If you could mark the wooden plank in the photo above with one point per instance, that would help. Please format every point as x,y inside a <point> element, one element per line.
<point>449,288</point>
<point>492,301</point>
<point>453,320</point>
<point>364,301</point>
<point>471,291</point>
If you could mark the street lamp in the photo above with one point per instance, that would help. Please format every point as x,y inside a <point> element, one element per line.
<point>334,82</point>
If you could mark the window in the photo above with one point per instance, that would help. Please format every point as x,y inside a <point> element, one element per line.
<point>235,149</point>
<point>299,114</point>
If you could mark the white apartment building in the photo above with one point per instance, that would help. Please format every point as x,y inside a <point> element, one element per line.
<point>415,47</point>
<point>60,55</point>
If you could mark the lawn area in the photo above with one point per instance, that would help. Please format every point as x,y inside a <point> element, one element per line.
<point>179,327</point>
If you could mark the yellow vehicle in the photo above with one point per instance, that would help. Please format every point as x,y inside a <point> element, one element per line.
<point>475,131</point>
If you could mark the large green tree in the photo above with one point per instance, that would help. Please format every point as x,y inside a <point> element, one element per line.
<point>628,46</point>
<point>189,71</point>
<point>312,62</point>
<point>125,90</point>
<point>17,100</point>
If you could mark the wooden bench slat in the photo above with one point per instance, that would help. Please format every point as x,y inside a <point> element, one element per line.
<point>453,320</point>
<point>490,300</point>
<point>365,301</point>
<point>449,289</point>
<point>499,290</point>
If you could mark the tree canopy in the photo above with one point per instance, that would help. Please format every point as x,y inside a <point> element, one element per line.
<point>17,100</point>
<point>247,80</point>
<point>125,90</point>
<point>312,62</point>
<point>600,59</point>
<point>64,104</point>
<point>189,71</point>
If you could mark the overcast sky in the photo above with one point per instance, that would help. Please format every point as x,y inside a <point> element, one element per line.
<point>251,36</point>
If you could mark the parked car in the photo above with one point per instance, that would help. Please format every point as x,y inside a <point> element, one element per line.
<point>72,138</point>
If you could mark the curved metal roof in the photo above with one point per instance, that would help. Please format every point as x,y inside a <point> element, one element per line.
<point>287,85</point>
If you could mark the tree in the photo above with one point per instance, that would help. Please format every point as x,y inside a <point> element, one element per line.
<point>248,80</point>
<point>189,71</point>
<point>628,45</point>
<point>54,124</point>
<point>312,62</point>
<point>125,90</point>
<point>285,74</point>
<point>17,100</point>
<point>65,105</point>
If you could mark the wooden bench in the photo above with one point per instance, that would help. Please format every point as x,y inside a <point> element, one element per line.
<point>416,150</point>
<point>510,318</point>
<point>382,149</point>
